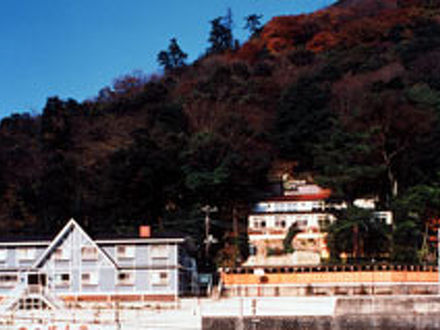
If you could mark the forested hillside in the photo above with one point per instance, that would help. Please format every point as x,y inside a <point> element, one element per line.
<point>351,93</point>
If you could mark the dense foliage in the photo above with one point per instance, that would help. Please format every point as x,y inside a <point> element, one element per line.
<point>351,92</point>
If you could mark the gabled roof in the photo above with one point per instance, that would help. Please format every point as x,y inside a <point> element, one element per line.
<point>26,243</point>
<point>114,241</point>
<point>70,225</point>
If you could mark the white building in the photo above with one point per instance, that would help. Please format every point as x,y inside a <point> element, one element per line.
<point>302,204</point>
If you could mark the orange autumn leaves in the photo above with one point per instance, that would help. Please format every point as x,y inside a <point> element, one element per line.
<point>324,30</point>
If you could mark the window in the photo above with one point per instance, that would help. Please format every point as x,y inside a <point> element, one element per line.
<point>159,254</point>
<point>61,254</point>
<point>160,251</point>
<point>125,252</point>
<point>90,278</point>
<point>3,255</point>
<point>89,253</point>
<point>159,278</point>
<point>125,278</point>
<point>7,280</point>
<point>62,279</point>
<point>26,254</point>
<point>280,223</point>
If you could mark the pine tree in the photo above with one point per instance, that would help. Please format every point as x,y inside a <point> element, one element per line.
<point>253,24</point>
<point>220,37</point>
<point>173,58</point>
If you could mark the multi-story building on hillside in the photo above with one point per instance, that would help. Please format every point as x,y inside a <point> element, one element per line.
<point>74,267</point>
<point>303,205</point>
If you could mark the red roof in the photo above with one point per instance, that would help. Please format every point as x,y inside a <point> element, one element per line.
<point>323,194</point>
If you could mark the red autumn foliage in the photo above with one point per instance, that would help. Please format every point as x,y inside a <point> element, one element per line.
<point>347,24</point>
<point>322,41</point>
<point>249,51</point>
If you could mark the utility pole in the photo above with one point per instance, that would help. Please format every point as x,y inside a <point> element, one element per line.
<point>208,238</point>
<point>438,258</point>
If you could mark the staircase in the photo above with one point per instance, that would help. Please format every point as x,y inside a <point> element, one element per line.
<point>13,297</point>
<point>53,300</point>
<point>31,297</point>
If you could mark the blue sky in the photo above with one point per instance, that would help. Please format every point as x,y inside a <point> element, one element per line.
<point>73,48</point>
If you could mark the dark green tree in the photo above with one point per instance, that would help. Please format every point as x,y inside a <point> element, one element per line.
<point>358,234</point>
<point>253,24</point>
<point>415,213</point>
<point>345,162</point>
<point>56,131</point>
<point>138,184</point>
<point>291,233</point>
<point>206,167</point>
<point>172,58</point>
<point>303,119</point>
<point>55,192</point>
<point>227,164</point>
<point>220,36</point>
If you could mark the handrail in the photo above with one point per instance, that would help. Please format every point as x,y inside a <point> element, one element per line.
<point>331,268</point>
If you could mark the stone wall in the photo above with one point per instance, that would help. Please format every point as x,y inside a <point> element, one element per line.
<point>358,322</point>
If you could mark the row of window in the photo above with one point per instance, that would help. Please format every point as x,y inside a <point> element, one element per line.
<point>292,206</point>
<point>123,278</point>
<point>92,278</point>
<point>22,254</point>
<point>282,222</point>
<point>87,253</point>
<point>279,223</point>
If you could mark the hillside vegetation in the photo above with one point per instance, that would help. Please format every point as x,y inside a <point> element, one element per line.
<point>351,93</point>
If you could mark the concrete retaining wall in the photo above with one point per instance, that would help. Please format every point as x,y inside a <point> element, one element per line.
<point>350,313</point>
<point>399,305</point>
<point>324,322</point>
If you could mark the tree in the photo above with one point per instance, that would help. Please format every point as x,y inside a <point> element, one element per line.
<point>253,24</point>
<point>303,119</point>
<point>137,183</point>
<point>392,124</point>
<point>407,238</point>
<point>345,163</point>
<point>206,167</point>
<point>56,124</point>
<point>415,213</point>
<point>172,58</point>
<point>55,192</point>
<point>357,233</point>
<point>220,37</point>
<point>395,125</point>
<point>291,233</point>
<point>128,85</point>
<point>225,164</point>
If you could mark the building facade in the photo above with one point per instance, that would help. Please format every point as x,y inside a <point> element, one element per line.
<point>305,206</point>
<point>74,267</point>
<point>301,205</point>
